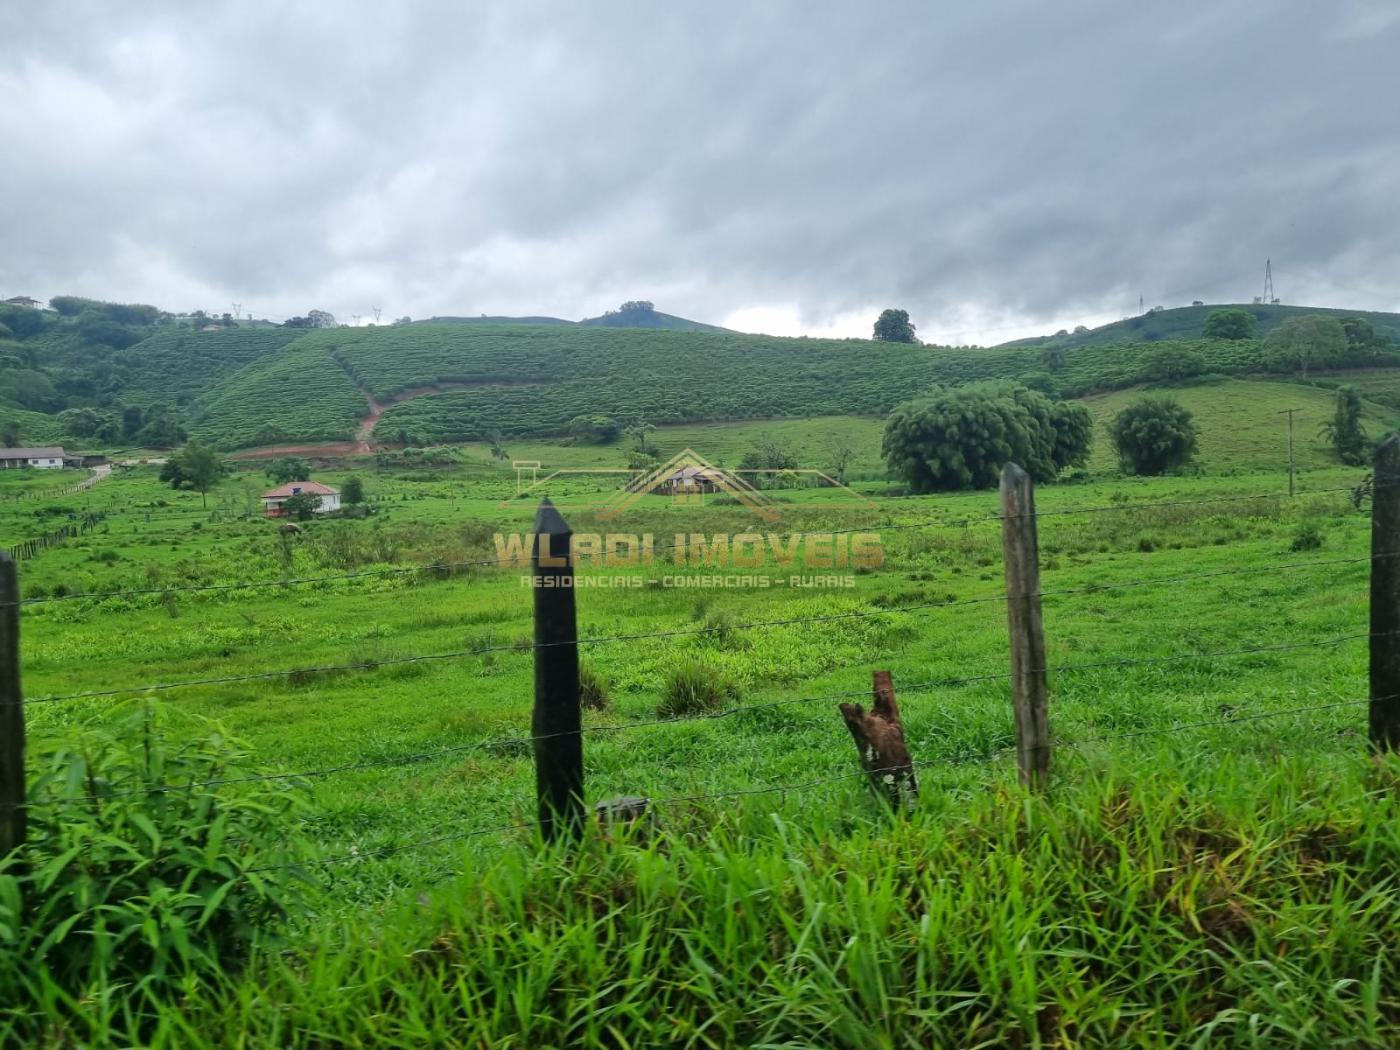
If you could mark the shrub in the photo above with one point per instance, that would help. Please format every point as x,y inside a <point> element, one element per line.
<point>594,691</point>
<point>128,885</point>
<point>1154,435</point>
<point>695,687</point>
<point>353,491</point>
<point>1173,364</point>
<point>1307,538</point>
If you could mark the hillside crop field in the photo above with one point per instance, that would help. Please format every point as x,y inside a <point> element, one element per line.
<point>1214,863</point>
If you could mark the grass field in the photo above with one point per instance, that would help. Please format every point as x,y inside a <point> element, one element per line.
<point>1215,864</point>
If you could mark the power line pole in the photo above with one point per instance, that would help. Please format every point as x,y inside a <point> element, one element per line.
<point>376,310</point>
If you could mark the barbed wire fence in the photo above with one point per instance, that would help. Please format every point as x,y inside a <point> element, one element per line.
<point>557,733</point>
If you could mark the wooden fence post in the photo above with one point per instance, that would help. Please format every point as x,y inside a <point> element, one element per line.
<point>12,809</point>
<point>879,737</point>
<point>558,717</point>
<point>1028,679</point>
<point>1385,597</point>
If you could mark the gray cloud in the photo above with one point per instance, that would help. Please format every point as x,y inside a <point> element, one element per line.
<point>990,167</point>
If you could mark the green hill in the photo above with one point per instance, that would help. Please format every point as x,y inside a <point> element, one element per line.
<point>1188,322</point>
<point>244,387</point>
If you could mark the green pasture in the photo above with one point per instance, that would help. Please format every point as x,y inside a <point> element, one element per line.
<point>1214,864</point>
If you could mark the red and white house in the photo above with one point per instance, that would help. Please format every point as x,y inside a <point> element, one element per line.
<point>273,500</point>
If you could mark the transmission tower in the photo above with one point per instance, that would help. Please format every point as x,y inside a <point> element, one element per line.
<point>355,320</point>
<point>1269,281</point>
<point>376,310</point>
<point>237,309</point>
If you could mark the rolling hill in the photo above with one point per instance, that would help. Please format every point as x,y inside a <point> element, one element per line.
<point>246,387</point>
<point>1188,322</point>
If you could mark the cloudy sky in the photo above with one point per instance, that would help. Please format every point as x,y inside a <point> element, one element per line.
<point>998,169</point>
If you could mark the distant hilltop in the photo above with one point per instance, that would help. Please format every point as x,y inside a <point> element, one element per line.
<point>635,314</point>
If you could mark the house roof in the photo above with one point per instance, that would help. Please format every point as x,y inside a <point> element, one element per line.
<point>47,452</point>
<point>707,473</point>
<point>22,300</point>
<point>291,488</point>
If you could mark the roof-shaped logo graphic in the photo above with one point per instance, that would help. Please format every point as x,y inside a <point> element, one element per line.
<point>687,477</point>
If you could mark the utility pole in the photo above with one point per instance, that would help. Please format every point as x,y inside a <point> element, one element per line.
<point>377,311</point>
<point>1289,413</point>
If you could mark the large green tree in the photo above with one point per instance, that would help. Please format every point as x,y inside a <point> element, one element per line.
<point>894,326</point>
<point>1344,429</point>
<point>288,468</point>
<point>195,466</point>
<point>1310,341</point>
<point>1154,435</point>
<point>1229,324</point>
<point>960,438</point>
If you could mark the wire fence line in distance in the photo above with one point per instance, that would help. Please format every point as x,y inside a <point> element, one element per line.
<point>516,741</point>
<point>853,614</point>
<point>452,566</point>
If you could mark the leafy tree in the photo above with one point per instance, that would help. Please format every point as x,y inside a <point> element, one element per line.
<point>162,430</point>
<point>1053,358</point>
<point>1345,431</point>
<point>288,468</point>
<point>601,429</point>
<point>1361,336</point>
<point>196,467</point>
<point>1229,324</point>
<point>405,319</point>
<point>1081,329</point>
<point>893,326</point>
<point>961,438</point>
<point>1311,341</point>
<point>1074,434</point>
<point>840,451</point>
<point>321,319</point>
<point>1172,364</point>
<point>131,420</point>
<point>767,454</point>
<point>11,434</point>
<point>1154,435</point>
<point>634,306</point>
<point>23,321</point>
<point>89,423</point>
<point>353,491</point>
<point>298,322</point>
<point>301,506</point>
<point>31,389</point>
<point>640,432</point>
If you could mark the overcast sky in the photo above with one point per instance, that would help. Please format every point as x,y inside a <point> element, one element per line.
<point>998,169</point>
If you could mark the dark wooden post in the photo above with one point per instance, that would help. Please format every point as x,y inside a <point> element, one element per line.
<point>879,737</point>
<point>1028,686</point>
<point>558,718</point>
<point>12,808</point>
<point>1385,597</point>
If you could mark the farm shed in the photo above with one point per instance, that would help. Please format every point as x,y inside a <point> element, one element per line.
<point>48,458</point>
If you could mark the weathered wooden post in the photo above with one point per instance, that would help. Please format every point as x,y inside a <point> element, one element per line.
<point>879,737</point>
<point>1029,692</point>
<point>1385,597</point>
<point>558,720</point>
<point>12,809</point>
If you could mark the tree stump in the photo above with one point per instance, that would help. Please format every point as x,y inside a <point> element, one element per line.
<point>879,737</point>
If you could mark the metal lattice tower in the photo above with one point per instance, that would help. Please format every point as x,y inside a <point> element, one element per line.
<point>1268,281</point>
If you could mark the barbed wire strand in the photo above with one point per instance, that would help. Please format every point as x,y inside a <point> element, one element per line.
<point>431,567</point>
<point>699,631</point>
<point>763,789</point>
<point>519,741</point>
